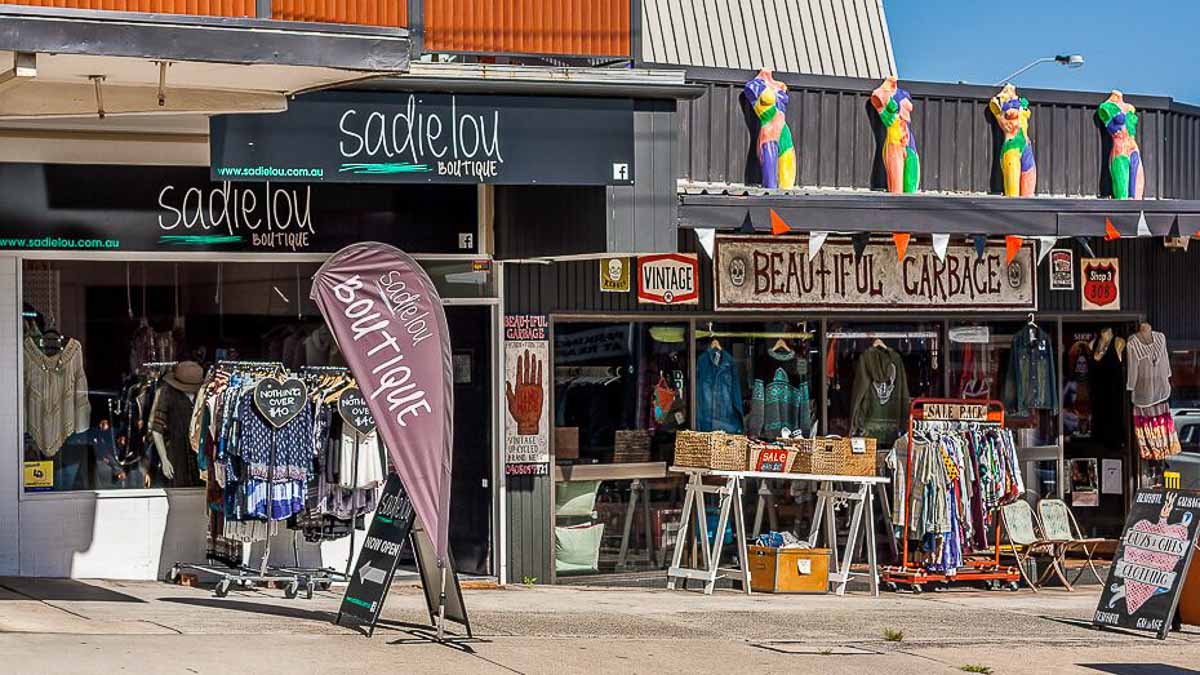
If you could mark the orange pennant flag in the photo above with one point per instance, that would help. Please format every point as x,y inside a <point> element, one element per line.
<point>778,227</point>
<point>1012,246</point>
<point>1110,232</point>
<point>901,239</point>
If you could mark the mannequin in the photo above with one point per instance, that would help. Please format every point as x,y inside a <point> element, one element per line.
<point>1149,383</point>
<point>171,417</point>
<point>1100,344</point>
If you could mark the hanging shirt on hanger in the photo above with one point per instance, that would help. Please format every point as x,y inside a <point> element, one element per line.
<point>880,399</point>
<point>56,395</point>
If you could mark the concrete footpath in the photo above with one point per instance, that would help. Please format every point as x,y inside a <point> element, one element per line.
<point>61,627</point>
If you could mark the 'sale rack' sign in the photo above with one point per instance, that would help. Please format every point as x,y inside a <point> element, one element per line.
<point>1151,563</point>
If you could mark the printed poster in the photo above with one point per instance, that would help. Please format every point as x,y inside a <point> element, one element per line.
<point>614,275</point>
<point>1111,482</point>
<point>526,391</point>
<point>1101,283</point>
<point>1085,482</point>
<point>1062,270</point>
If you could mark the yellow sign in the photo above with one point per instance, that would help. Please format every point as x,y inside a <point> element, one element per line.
<point>39,475</point>
<point>614,275</point>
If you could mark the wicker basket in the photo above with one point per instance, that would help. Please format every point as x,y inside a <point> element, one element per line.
<point>711,450</point>
<point>835,456</point>
<point>772,457</point>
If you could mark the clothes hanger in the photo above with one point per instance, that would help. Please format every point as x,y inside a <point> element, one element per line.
<point>781,345</point>
<point>879,343</point>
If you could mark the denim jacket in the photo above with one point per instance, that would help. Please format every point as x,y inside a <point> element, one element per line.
<point>1030,382</point>
<point>718,393</point>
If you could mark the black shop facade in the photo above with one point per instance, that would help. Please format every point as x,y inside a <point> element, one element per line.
<point>849,325</point>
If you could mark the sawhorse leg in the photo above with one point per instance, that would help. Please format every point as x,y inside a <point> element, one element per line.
<point>635,488</point>
<point>766,502</point>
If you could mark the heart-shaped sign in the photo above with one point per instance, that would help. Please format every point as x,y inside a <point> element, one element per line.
<point>352,406</point>
<point>1138,592</point>
<point>280,402</point>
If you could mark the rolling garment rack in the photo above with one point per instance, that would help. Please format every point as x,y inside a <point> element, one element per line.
<point>244,575</point>
<point>932,415</point>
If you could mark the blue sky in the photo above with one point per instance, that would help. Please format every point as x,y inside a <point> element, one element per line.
<point>1131,46</point>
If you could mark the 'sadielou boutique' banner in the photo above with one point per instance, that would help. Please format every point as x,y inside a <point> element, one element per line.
<point>402,137</point>
<point>757,273</point>
<point>391,327</point>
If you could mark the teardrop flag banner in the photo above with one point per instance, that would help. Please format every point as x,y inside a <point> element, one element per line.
<point>390,325</point>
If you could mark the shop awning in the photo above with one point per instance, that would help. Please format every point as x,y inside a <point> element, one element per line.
<point>933,213</point>
<point>65,63</point>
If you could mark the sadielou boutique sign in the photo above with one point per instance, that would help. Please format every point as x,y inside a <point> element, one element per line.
<point>402,137</point>
<point>757,273</point>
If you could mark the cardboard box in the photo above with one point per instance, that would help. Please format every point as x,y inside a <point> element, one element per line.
<point>566,442</point>
<point>788,570</point>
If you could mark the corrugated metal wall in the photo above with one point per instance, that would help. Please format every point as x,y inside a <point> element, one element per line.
<point>846,37</point>
<point>392,13</point>
<point>838,139</point>
<point>230,8</point>
<point>597,28</point>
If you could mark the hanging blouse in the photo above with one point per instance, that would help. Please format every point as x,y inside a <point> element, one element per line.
<point>290,446</point>
<point>56,395</point>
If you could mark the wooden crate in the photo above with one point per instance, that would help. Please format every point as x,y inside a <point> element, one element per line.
<point>788,570</point>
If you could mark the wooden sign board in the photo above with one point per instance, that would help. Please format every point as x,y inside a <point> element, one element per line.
<point>1151,563</point>
<point>955,412</point>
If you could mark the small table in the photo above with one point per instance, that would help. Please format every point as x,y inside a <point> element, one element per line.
<point>863,517</point>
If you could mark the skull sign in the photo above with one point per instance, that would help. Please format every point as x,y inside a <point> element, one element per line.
<point>737,271</point>
<point>616,266</point>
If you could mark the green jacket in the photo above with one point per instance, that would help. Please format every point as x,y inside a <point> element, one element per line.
<point>879,400</point>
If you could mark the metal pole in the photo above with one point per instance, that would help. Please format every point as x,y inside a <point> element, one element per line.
<point>1010,78</point>
<point>441,627</point>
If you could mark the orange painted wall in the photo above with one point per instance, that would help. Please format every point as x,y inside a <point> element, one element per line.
<point>234,8</point>
<point>362,12</point>
<point>567,27</point>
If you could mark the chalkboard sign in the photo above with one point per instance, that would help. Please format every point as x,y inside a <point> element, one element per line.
<point>1152,561</point>
<point>280,402</point>
<point>352,406</point>
<point>376,564</point>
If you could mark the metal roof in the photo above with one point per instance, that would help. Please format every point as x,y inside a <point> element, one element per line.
<point>821,37</point>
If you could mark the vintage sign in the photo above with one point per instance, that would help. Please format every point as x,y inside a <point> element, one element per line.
<point>385,137</point>
<point>614,275</point>
<point>1152,561</point>
<point>669,279</point>
<point>527,394</point>
<point>280,401</point>
<point>1062,270</point>
<point>371,577</point>
<point>1101,283</point>
<point>758,273</point>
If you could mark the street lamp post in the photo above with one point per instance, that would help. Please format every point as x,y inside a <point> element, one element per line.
<point>1069,60</point>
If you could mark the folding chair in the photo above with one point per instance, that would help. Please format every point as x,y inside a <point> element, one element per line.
<point>1059,523</point>
<point>1021,529</point>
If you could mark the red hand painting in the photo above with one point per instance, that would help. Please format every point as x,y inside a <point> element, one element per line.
<point>525,401</point>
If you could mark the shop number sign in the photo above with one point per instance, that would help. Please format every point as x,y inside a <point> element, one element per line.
<point>668,279</point>
<point>753,274</point>
<point>1101,283</point>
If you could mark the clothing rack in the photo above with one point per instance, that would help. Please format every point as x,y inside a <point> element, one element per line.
<point>702,334</point>
<point>899,335</point>
<point>160,364</point>
<point>949,414</point>
<point>292,579</point>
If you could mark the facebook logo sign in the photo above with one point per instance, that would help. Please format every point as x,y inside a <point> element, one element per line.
<point>620,171</point>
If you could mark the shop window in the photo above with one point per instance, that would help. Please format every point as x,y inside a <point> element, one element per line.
<point>981,365</point>
<point>1185,378</point>
<point>99,341</point>
<point>874,370</point>
<point>621,391</point>
<point>757,379</point>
